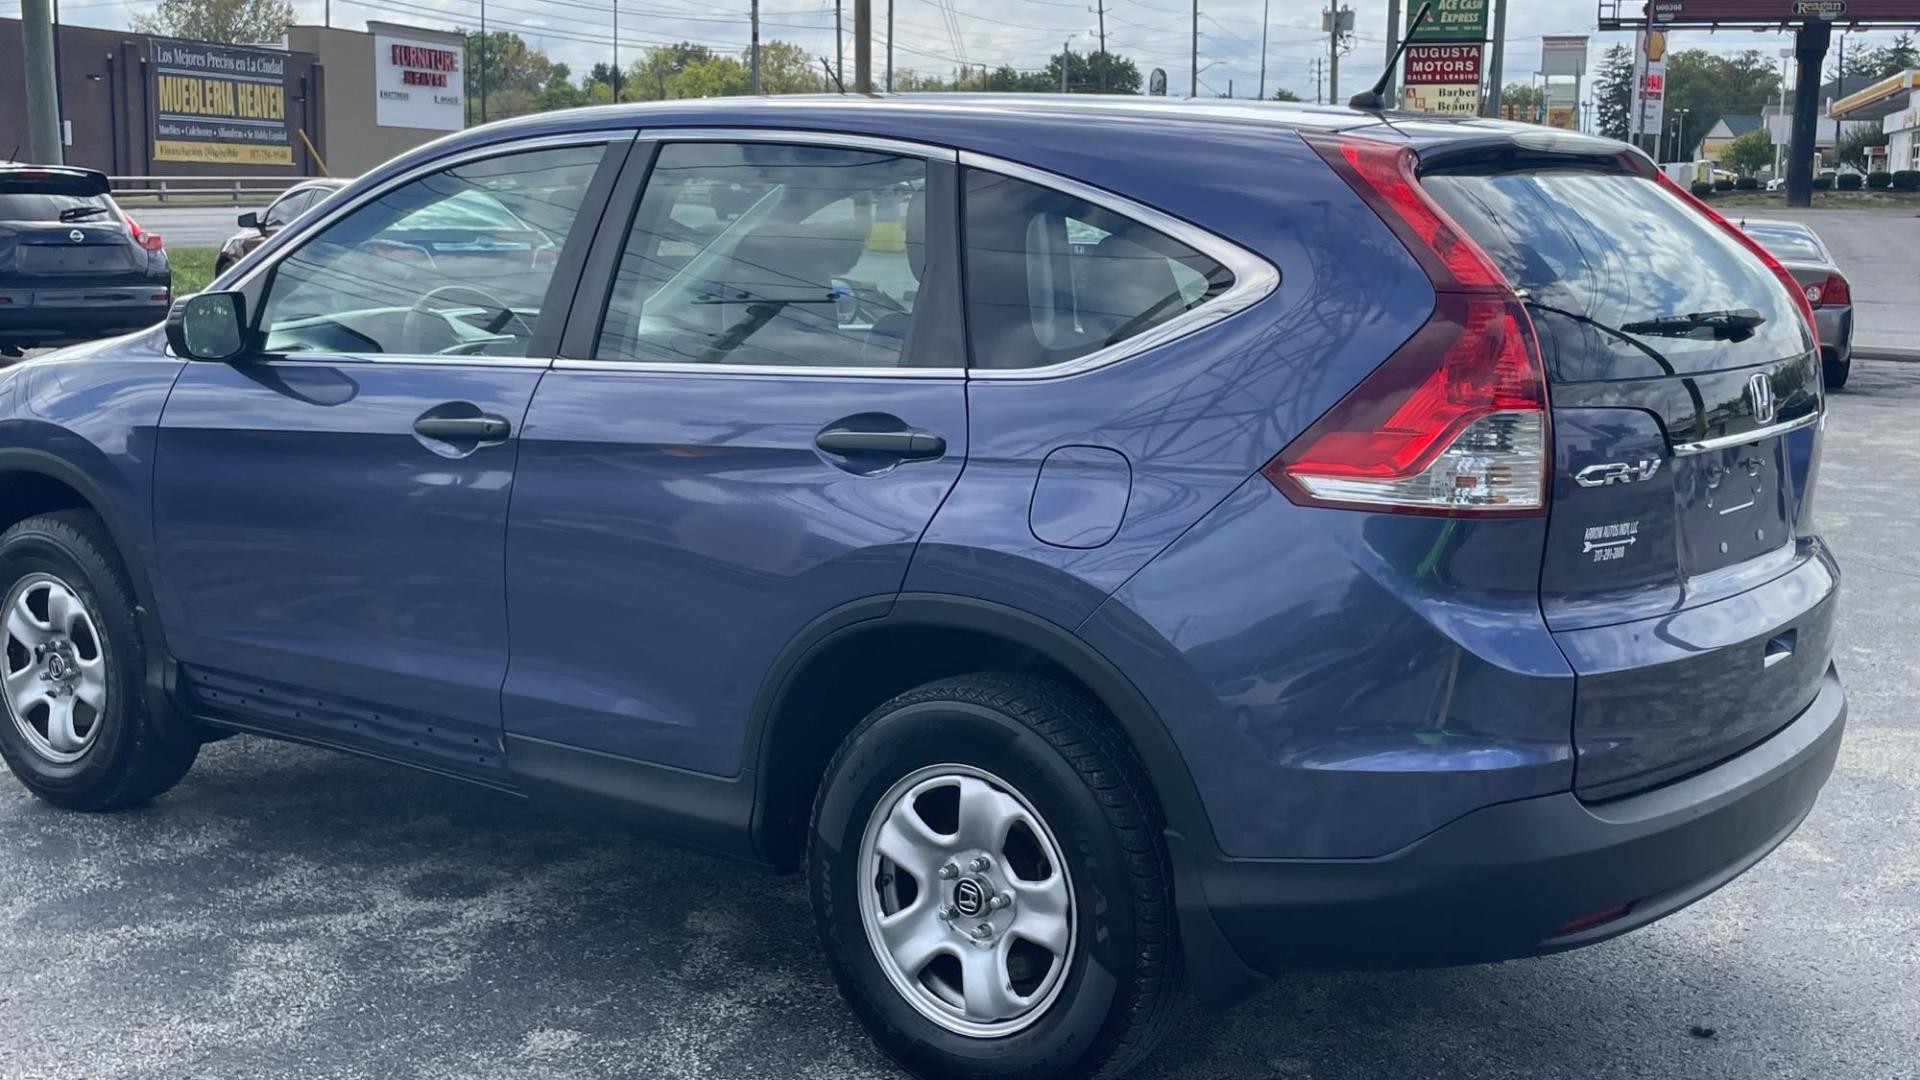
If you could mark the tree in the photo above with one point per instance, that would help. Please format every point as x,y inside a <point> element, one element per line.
<point>1613,93</point>
<point>1890,60</point>
<point>1749,153</point>
<point>785,68</point>
<point>232,22</point>
<point>1284,94</point>
<point>1702,87</point>
<point>1854,141</point>
<point>515,78</point>
<point>722,76</point>
<point>651,77</point>
<point>1522,101</point>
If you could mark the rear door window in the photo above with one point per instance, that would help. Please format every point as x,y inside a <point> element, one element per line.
<point>1609,262</point>
<point>772,255</point>
<point>1052,277</point>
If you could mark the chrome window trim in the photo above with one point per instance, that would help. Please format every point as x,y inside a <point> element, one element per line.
<point>679,368</point>
<point>1722,442</point>
<point>1254,278</point>
<point>328,359</point>
<point>899,147</point>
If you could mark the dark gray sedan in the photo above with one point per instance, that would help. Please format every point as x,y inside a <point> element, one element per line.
<point>1799,247</point>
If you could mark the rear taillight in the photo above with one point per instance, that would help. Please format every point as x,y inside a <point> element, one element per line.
<point>1740,236</point>
<point>148,241</point>
<point>1833,291</point>
<point>1455,421</point>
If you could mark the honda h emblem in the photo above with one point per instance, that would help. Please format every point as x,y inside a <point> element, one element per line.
<point>1760,396</point>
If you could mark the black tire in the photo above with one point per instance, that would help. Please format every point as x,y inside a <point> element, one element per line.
<point>1835,372</point>
<point>128,761</point>
<point>1060,752</point>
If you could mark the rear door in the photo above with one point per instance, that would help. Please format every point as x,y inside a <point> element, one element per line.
<point>749,428</point>
<point>1686,413</point>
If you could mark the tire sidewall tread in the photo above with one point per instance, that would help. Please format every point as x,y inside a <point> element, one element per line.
<point>129,762</point>
<point>1059,749</point>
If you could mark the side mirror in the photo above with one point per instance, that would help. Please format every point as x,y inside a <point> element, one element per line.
<point>208,326</point>
<point>250,220</point>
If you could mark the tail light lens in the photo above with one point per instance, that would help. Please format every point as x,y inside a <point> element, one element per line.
<point>147,241</point>
<point>1455,422</point>
<point>1740,236</point>
<point>1834,290</point>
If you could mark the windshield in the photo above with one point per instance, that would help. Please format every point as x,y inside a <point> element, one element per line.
<point>1598,253</point>
<point>33,206</point>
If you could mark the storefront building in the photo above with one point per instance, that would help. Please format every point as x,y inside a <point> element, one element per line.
<point>328,102</point>
<point>1895,103</point>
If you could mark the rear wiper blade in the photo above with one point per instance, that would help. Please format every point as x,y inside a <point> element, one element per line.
<point>1738,322</point>
<point>75,213</point>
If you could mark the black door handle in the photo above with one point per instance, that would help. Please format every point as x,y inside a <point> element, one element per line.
<point>906,445</point>
<point>457,429</point>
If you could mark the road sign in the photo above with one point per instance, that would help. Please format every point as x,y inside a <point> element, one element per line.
<point>1563,56</point>
<point>1451,20</point>
<point>1649,82</point>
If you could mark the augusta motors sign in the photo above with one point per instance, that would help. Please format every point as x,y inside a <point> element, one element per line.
<point>1443,65</point>
<point>1669,12</point>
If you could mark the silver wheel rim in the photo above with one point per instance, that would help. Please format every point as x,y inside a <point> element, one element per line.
<point>974,926</point>
<point>54,670</point>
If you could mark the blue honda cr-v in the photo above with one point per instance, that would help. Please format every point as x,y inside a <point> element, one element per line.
<point>1103,541</point>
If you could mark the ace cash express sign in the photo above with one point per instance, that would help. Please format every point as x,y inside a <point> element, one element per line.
<point>418,84</point>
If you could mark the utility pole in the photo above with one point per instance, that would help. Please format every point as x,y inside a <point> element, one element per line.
<point>1100,9</point>
<point>753,48</point>
<point>483,61</point>
<point>43,99</point>
<point>1810,53</point>
<point>1193,76</point>
<point>616,51</point>
<point>1499,63</point>
<point>1265,8</point>
<point>1064,54</point>
<point>1316,81</point>
<point>839,37</point>
<point>889,46</point>
<point>1333,51</point>
<point>862,46</point>
<point>1393,44</point>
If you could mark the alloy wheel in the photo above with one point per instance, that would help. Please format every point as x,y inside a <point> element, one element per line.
<point>54,669</point>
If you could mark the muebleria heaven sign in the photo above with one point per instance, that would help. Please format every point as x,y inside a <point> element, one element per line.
<point>225,104</point>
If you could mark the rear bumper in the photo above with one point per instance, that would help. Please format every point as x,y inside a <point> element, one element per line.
<point>1836,333</point>
<point>56,318</point>
<point>1507,881</point>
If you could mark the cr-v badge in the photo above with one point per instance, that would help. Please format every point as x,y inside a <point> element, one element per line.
<point>1617,472</point>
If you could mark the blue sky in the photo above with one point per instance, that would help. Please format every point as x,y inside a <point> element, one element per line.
<point>930,37</point>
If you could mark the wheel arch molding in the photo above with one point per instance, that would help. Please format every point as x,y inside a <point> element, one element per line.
<point>92,495</point>
<point>789,745</point>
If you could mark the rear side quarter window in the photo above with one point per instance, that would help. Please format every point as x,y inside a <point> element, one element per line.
<point>1052,277</point>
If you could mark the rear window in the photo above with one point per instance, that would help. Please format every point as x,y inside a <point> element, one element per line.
<point>1597,253</point>
<point>1788,245</point>
<point>32,206</point>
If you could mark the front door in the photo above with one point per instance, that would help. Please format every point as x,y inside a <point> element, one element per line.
<point>756,434</point>
<point>330,512</point>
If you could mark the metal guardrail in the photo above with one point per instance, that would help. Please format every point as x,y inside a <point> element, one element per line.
<point>227,190</point>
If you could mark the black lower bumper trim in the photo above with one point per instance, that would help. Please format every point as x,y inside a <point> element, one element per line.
<point>1510,880</point>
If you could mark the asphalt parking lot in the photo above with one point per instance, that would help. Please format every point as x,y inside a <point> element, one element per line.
<point>290,912</point>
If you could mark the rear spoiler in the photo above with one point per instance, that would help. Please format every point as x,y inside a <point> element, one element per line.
<point>1532,149</point>
<point>52,180</point>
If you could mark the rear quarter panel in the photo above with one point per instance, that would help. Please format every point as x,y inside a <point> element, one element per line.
<point>1194,417</point>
